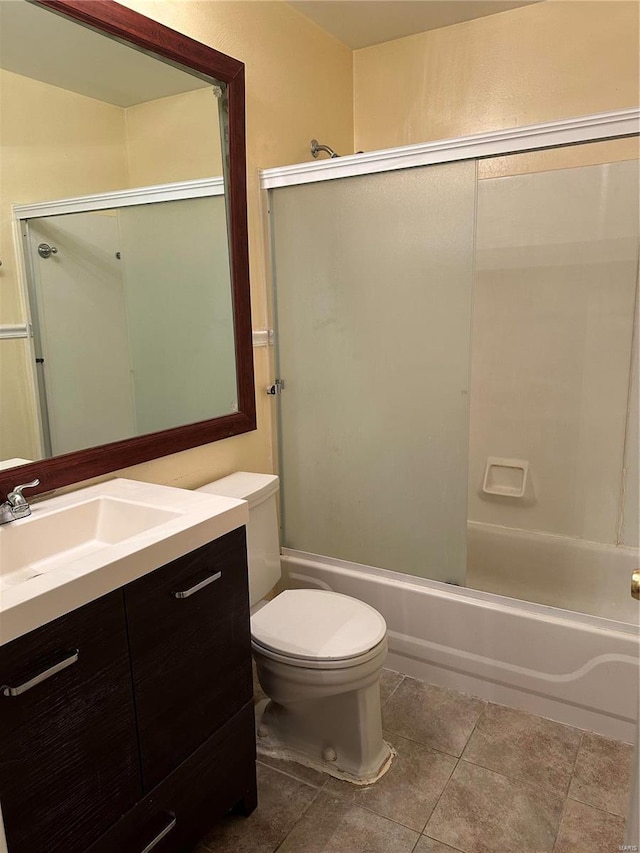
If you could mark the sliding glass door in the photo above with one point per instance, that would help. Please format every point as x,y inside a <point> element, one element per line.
<point>373,280</point>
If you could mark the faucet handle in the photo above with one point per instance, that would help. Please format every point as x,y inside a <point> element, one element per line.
<point>15,496</point>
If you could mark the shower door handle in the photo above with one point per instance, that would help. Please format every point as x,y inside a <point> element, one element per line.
<point>635,585</point>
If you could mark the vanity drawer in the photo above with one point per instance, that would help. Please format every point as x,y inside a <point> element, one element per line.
<point>68,749</point>
<point>220,774</point>
<point>190,644</point>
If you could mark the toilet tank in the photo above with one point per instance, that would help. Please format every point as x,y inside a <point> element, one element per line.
<point>263,544</point>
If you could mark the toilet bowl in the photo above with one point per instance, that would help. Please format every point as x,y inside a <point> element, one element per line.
<point>318,654</point>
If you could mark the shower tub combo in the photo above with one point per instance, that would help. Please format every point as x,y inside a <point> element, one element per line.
<point>437,304</point>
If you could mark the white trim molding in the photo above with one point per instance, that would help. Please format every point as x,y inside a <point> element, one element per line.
<point>18,330</point>
<point>590,128</point>
<point>122,198</point>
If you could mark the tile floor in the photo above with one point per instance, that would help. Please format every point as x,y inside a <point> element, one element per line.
<point>470,776</point>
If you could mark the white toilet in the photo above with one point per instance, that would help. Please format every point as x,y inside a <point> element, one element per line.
<point>318,654</point>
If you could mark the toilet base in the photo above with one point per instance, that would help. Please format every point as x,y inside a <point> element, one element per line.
<point>271,719</point>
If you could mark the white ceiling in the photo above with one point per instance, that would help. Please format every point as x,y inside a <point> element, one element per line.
<point>47,47</point>
<point>361,23</point>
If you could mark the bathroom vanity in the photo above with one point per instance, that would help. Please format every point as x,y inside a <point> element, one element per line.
<point>127,721</point>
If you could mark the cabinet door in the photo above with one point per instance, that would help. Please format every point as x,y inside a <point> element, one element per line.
<point>180,810</point>
<point>190,645</point>
<point>68,751</point>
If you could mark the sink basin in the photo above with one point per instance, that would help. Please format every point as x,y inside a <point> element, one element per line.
<point>41,543</point>
<point>77,547</point>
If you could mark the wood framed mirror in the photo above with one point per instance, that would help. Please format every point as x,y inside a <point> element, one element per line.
<point>226,76</point>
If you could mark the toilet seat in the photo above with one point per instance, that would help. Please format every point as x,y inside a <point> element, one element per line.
<point>318,663</point>
<point>311,627</point>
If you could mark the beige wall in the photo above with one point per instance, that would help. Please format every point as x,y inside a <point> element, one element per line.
<point>538,63</point>
<point>288,102</point>
<point>173,139</point>
<point>55,144</point>
<point>298,85</point>
<point>533,64</point>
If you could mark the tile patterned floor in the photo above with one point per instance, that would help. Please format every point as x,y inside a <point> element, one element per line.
<point>470,777</point>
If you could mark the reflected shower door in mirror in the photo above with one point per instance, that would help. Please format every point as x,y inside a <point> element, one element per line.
<point>132,319</point>
<point>136,321</point>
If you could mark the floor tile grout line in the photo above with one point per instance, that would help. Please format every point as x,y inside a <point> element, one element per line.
<point>424,833</point>
<point>291,776</point>
<point>428,745</point>
<point>458,760</point>
<point>596,808</point>
<point>472,732</point>
<point>450,846</point>
<point>420,837</point>
<point>575,762</point>
<point>530,785</point>
<point>535,785</point>
<point>561,821</point>
<point>446,785</point>
<point>318,791</point>
<point>566,798</point>
<point>371,811</point>
<point>382,704</point>
<point>421,743</point>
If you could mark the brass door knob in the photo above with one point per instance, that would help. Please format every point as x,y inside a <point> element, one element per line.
<point>635,584</point>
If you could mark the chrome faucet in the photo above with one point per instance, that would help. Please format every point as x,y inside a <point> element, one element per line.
<point>16,505</point>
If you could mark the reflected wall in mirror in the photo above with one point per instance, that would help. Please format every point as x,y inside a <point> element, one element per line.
<point>124,301</point>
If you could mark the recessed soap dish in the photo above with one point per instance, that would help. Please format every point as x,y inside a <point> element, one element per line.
<point>505,477</point>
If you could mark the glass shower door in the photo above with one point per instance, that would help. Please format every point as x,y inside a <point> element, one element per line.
<point>373,283</point>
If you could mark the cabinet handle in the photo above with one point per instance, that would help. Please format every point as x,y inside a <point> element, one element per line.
<point>42,676</point>
<point>187,592</point>
<point>164,832</point>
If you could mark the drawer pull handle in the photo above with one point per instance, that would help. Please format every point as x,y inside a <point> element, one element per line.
<point>187,592</point>
<point>42,676</point>
<point>162,834</point>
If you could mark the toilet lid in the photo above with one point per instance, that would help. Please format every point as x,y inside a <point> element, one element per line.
<point>317,625</point>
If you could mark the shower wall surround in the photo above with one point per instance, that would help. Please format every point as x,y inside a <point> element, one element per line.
<point>554,298</point>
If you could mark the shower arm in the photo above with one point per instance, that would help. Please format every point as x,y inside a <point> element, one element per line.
<point>316,148</point>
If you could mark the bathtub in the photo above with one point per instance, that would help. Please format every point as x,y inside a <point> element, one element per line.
<point>576,668</point>
<point>569,573</point>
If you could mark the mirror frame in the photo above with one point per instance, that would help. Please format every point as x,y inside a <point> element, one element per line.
<point>132,28</point>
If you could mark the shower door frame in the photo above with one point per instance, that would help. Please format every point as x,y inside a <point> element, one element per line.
<point>596,127</point>
<point>587,129</point>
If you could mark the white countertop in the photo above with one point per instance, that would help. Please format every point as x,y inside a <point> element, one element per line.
<point>197,518</point>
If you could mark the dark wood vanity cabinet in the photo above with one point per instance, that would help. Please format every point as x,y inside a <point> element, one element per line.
<point>190,641</point>
<point>68,750</point>
<point>142,732</point>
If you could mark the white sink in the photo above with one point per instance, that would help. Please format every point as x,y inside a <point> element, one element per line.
<point>42,542</point>
<point>74,548</point>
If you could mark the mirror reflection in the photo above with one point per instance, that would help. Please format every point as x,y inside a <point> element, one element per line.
<point>115,295</point>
